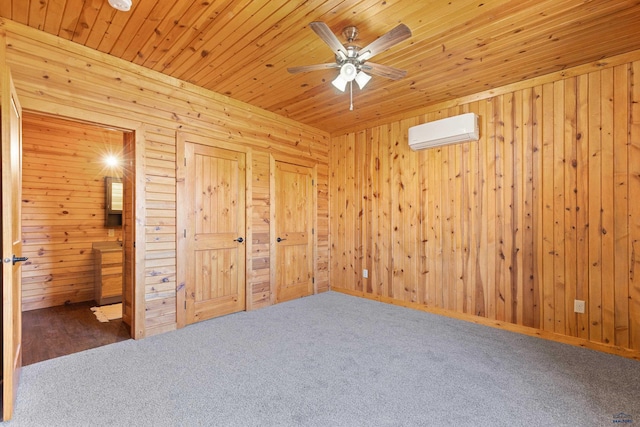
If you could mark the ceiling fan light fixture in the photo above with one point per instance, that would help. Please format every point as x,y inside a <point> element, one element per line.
<point>362,79</point>
<point>340,83</point>
<point>348,71</point>
<point>121,5</point>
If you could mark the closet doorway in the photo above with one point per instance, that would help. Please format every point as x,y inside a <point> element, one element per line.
<point>78,235</point>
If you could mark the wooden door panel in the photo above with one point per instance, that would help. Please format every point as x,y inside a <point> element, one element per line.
<point>11,130</point>
<point>224,305</point>
<point>216,188</point>
<point>216,273</point>
<point>295,274</point>
<point>214,198</point>
<point>219,241</point>
<point>293,228</point>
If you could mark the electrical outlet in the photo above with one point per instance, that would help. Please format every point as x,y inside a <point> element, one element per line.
<point>578,306</point>
<point>365,273</point>
<point>111,232</point>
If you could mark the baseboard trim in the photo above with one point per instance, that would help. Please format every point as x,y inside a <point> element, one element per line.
<point>525,330</point>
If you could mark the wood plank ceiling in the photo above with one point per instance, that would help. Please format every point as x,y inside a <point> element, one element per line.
<point>242,48</point>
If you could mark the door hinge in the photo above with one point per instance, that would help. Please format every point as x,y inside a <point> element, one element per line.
<point>185,161</point>
<point>185,233</point>
<point>185,304</point>
<point>313,231</point>
<point>313,280</point>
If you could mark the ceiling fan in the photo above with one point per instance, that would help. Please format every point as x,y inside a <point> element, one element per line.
<point>352,59</point>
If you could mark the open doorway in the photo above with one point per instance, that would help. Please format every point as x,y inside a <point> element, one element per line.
<point>77,236</point>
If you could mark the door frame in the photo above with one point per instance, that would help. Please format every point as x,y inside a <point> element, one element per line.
<point>134,147</point>
<point>181,217</point>
<point>273,158</point>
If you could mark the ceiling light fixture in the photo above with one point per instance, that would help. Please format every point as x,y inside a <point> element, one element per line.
<point>362,79</point>
<point>348,73</point>
<point>121,5</point>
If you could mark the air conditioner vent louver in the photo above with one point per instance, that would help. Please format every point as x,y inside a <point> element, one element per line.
<point>451,130</point>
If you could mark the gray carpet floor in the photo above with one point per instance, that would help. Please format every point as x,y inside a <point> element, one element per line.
<point>332,360</point>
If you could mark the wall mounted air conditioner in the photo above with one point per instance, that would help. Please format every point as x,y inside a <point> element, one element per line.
<point>446,131</point>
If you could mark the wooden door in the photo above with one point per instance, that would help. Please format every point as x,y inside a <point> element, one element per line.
<point>294,214</point>
<point>11,128</point>
<point>215,255</point>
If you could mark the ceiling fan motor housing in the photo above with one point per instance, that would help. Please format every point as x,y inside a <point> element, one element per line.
<point>350,58</point>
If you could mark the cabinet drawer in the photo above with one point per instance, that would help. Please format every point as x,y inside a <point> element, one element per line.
<point>112,258</point>
<point>111,286</point>
<point>111,269</point>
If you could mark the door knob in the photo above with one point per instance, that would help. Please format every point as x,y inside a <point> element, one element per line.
<point>280,240</point>
<point>19,259</point>
<point>239,240</point>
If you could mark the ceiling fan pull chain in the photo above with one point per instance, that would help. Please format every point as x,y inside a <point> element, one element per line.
<point>351,95</point>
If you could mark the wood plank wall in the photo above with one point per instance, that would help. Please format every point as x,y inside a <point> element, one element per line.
<point>58,77</point>
<point>63,207</point>
<point>513,228</point>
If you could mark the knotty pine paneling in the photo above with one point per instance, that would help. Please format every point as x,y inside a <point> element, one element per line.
<point>63,207</point>
<point>322,282</point>
<point>57,77</point>
<point>242,48</point>
<point>260,247</point>
<point>511,228</point>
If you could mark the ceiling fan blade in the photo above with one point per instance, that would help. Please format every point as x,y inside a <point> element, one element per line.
<point>384,71</point>
<point>315,67</point>
<point>324,32</point>
<point>384,42</point>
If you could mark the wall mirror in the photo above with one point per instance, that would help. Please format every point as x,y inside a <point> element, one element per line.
<point>113,201</point>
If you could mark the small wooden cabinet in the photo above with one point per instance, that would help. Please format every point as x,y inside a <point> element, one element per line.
<point>108,272</point>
